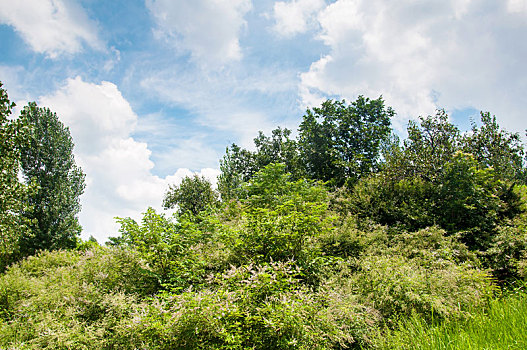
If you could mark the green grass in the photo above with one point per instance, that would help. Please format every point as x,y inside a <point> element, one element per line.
<point>503,325</point>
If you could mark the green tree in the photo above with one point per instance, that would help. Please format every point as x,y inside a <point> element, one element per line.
<point>431,143</point>
<point>496,148</point>
<point>193,195</point>
<point>469,201</point>
<point>47,160</point>
<point>283,217</point>
<point>278,148</point>
<point>239,165</point>
<point>345,144</point>
<point>13,193</point>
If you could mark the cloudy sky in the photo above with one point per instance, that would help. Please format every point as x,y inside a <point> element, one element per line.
<point>153,90</point>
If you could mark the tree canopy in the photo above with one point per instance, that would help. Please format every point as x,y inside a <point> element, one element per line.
<point>13,193</point>
<point>193,195</point>
<point>48,161</point>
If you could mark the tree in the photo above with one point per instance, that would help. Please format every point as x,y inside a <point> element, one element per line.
<point>194,195</point>
<point>13,193</point>
<point>278,148</point>
<point>469,201</point>
<point>47,160</point>
<point>429,146</point>
<point>496,148</point>
<point>239,165</point>
<point>345,144</point>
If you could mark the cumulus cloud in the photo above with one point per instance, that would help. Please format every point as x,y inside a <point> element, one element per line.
<point>208,29</point>
<point>118,168</point>
<point>423,55</point>
<point>295,17</point>
<point>52,27</point>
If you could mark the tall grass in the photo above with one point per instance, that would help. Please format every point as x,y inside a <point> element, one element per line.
<point>503,325</point>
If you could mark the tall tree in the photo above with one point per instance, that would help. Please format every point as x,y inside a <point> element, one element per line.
<point>278,148</point>
<point>13,193</point>
<point>237,167</point>
<point>48,161</point>
<point>341,143</point>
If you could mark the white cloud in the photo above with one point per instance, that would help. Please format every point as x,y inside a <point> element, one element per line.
<point>118,168</point>
<point>423,55</point>
<point>295,17</point>
<point>209,29</point>
<point>517,6</point>
<point>52,27</point>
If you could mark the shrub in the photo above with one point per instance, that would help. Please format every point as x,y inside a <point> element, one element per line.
<point>251,307</point>
<point>395,286</point>
<point>70,299</point>
<point>507,255</point>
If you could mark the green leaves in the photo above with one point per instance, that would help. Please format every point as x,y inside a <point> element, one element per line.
<point>345,145</point>
<point>47,160</point>
<point>497,148</point>
<point>193,195</point>
<point>13,193</point>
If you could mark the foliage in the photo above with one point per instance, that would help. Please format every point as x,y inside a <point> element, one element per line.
<point>283,261</point>
<point>239,165</point>
<point>345,145</point>
<point>70,299</point>
<point>501,325</point>
<point>47,160</point>
<point>422,272</point>
<point>252,308</point>
<point>193,195</point>
<point>507,255</point>
<point>13,193</point>
<point>429,181</point>
<point>429,146</point>
<point>398,286</point>
<point>283,217</point>
<point>261,307</point>
<point>496,148</point>
<point>164,246</point>
<point>469,201</point>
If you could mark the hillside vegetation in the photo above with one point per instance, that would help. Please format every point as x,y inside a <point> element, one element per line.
<point>343,238</point>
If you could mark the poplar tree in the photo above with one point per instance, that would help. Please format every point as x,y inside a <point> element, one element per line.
<point>47,160</point>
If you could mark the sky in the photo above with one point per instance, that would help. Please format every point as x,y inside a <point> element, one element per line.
<point>155,90</point>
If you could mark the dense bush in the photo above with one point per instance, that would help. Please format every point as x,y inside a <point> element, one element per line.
<point>423,272</point>
<point>260,307</point>
<point>69,299</point>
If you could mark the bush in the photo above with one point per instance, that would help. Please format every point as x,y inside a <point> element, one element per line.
<point>70,299</point>
<point>423,272</point>
<point>399,286</point>
<point>352,238</point>
<point>507,255</point>
<point>251,307</point>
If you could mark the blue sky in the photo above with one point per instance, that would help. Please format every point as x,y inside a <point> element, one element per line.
<point>155,90</point>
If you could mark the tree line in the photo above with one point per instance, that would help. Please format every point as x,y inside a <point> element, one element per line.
<point>330,240</point>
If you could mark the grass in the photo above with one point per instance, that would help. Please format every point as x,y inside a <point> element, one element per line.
<point>503,325</point>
